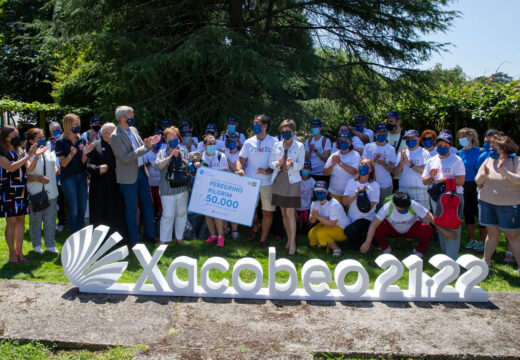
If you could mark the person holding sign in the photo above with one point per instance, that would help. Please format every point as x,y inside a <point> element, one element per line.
<point>331,217</point>
<point>232,143</point>
<point>287,159</point>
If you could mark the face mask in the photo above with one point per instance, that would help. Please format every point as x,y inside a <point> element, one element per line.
<point>76,129</point>
<point>443,151</point>
<point>343,145</point>
<point>359,128</point>
<point>210,149</point>
<point>402,211</point>
<point>381,138</point>
<point>305,173</point>
<point>486,146</point>
<point>463,142</point>
<point>173,143</point>
<point>257,129</point>
<point>364,170</point>
<point>187,138</point>
<point>411,143</point>
<point>56,133</point>
<point>157,146</point>
<point>231,128</point>
<point>427,143</point>
<point>16,141</point>
<point>315,131</point>
<point>232,145</point>
<point>41,142</point>
<point>286,135</point>
<point>390,127</point>
<point>130,121</point>
<point>493,154</point>
<point>320,195</point>
<point>96,128</point>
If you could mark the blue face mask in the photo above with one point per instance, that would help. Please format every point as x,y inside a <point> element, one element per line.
<point>130,121</point>
<point>315,131</point>
<point>427,143</point>
<point>173,143</point>
<point>210,149</point>
<point>320,195</point>
<point>343,145</point>
<point>364,170</point>
<point>443,151</point>
<point>286,135</point>
<point>463,142</point>
<point>486,145</point>
<point>402,211</point>
<point>231,128</point>
<point>157,146</point>
<point>56,133</point>
<point>187,138</point>
<point>41,142</point>
<point>493,154</point>
<point>257,129</point>
<point>305,173</point>
<point>359,128</point>
<point>231,145</point>
<point>381,137</point>
<point>411,143</point>
<point>76,129</point>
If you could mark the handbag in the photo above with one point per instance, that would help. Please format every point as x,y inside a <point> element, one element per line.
<point>40,200</point>
<point>178,174</point>
<point>436,190</point>
<point>363,202</point>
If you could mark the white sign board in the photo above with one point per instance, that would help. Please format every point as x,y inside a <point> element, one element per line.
<point>86,266</point>
<point>224,195</point>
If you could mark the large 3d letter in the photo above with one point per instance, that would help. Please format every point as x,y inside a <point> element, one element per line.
<point>150,269</point>
<point>179,286</point>
<point>276,266</point>
<point>242,287</point>
<point>316,270</point>
<point>210,286</point>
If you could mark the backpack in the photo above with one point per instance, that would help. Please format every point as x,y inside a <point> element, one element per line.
<point>449,215</point>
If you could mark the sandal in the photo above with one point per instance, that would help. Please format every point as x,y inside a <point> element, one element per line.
<point>180,242</point>
<point>14,259</point>
<point>22,258</point>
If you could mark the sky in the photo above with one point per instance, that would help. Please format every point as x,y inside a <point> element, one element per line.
<point>485,38</point>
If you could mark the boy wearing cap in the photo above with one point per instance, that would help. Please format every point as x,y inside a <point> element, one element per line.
<point>211,129</point>
<point>186,125</point>
<point>410,163</point>
<point>231,128</point>
<point>93,134</point>
<point>317,150</point>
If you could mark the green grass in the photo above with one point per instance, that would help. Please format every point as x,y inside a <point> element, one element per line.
<point>12,350</point>
<point>47,267</point>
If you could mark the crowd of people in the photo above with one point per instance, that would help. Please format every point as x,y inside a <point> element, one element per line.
<point>361,185</point>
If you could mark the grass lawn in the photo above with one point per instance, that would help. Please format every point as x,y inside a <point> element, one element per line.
<point>47,267</point>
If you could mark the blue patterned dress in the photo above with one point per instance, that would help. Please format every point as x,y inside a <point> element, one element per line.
<point>14,201</point>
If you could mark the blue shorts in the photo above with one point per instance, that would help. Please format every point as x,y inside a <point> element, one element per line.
<point>506,217</point>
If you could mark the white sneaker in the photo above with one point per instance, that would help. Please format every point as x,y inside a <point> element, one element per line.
<point>417,253</point>
<point>388,250</point>
<point>52,250</point>
<point>38,249</point>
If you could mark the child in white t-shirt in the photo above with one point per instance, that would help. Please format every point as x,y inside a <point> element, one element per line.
<point>232,142</point>
<point>306,185</point>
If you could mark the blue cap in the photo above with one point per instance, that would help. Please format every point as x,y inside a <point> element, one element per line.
<point>231,119</point>
<point>94,120</point>
<point>447,131</point>
<point>381,127</point>
<point>321,186</point>
<point>316,123</point>
<point>344,135</point>
<point>158,131</point>
<point>166,122</point>
<point>411,133</point>
<point>445,136</point>
<point>360,118</point>
<point>394,114</point>
<point>307,163</point>
<point>185,123</point>
<point>185,131</point>
<point>211,127</point>
<point>232,136</point>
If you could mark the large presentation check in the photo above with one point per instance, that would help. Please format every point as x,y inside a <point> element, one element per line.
<point>224,195</point>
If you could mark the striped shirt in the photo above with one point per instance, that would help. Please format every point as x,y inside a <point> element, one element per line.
<point>164,185</point>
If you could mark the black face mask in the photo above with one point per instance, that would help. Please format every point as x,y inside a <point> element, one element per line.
<point>390,127</point>
<point>16,141</point>
<point>96,128</point>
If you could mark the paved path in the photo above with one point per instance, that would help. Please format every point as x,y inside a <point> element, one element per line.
<point>223,329</point>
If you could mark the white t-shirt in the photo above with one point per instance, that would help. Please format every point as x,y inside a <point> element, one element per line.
<point>221,146</point>
<point>317,164</point>
<point>410,177</point>
<point>383,177</point>
<point>154,174</point>
<point>449,168</point>
<point>35,187</point>
<point>306,187</point>
<point>257,153</point>
<point>402,222</point>
<point>332,210</point>
<point>241,136</point>
<point>356,142</point>
<point>373,195</point>
<point>232,157</point>
<point>339,177</point>
<point>213,161</point>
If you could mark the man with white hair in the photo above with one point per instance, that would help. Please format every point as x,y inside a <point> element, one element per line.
<point>131,172</point>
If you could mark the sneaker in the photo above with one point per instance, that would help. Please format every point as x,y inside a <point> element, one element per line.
<point>38,249</point>
<point>53,250</point>
<point>417,253</point>
<point>470,244</point>
<point>336,253</point>
<point>388,250</point>
<point>211,239</point>
<point>235,235</point>
<point>220,241</point>
<point>60,228</point>
<point>479,246</point>
<point>509,257</point>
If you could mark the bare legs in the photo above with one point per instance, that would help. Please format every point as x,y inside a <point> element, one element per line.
<point>215,226</point>
<point>267,221</point>
<point>14,231</point>
<point>492,243</point>
<point>289,222</point>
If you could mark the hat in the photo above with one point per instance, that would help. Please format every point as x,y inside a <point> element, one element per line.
<point>411,133</point>
<point>360,118</point>
<point>185,131</point>
<point>94,120</point>
<point>344,135</point>
<point>211,127</point>
<point>445,136</point>
<point>394,114</point>
<point>447,131</point>
<point>381,127</point>
<point>307,163</point>
<point>166,122</point>
<point>185,123</point>
<point>158,131</point>
<point>231,119</point>
<point>316,123</point>
<point>320,186</point>
<point>232,136</point>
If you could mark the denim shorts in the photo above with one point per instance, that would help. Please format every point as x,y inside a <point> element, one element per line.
<point>506,217</point>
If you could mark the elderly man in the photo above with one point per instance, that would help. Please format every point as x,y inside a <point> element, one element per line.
<point>131,172</point>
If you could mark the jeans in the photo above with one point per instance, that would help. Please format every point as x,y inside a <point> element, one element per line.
<point>141,189</point>
<point>75,190</point>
